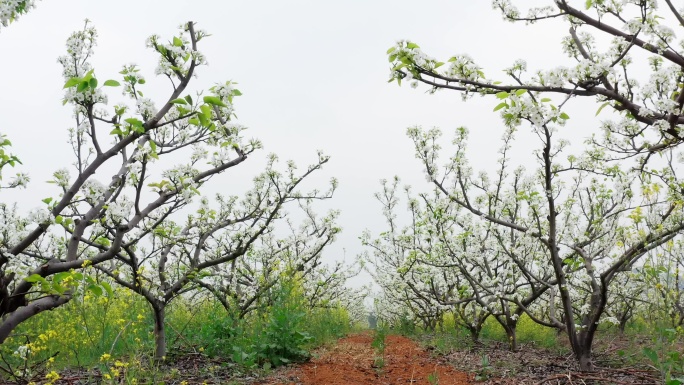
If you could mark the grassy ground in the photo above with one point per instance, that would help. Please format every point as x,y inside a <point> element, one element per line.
<point>645,353</point>
<point>109,339</point>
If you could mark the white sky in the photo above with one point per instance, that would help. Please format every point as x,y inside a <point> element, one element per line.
<point>313,75</point>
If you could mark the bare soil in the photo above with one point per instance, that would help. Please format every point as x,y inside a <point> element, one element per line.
<point>352,361</point>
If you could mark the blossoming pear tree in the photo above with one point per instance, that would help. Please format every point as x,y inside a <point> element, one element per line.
<point>177,258</point>
<point>594,221</point>
<point>11,10</point>
<point>503,274</point>
<point>480,270</point>
<point>598,213</point>
<point>137,166</point>
<point>417,292</point>
<point>245,285</point>
<point>248,284</point>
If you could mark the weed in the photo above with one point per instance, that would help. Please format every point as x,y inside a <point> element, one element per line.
<point>378,344</point>
<point>379,337</point>
<point>485,370</point>
<point>433,378</point>
<point>111,337</point>
<point>666,358</point>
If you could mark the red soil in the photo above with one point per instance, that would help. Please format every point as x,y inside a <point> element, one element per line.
<point>351,362</point>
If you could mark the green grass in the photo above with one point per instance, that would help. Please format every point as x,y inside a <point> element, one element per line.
<point>115,336</point>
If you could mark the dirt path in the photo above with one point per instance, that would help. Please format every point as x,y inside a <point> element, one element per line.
<point>353,362</point>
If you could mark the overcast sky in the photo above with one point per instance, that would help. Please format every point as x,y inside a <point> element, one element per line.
<point>313,75</point>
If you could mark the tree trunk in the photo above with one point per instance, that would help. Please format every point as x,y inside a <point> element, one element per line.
<point>584,359</point>
<point>509,325</point>
<point>512,335</point>
<point>159,333</point>
<point>475,331</point>
<point>623,323</point>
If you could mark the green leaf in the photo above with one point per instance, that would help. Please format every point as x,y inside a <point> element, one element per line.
<point>47,201</point>
<point>72,82</point>
<point>88,76</point>
<point>59,277</point>
<point>111,83</point>
<point>108,288</point>
<point>59,219</point>
<point>520,92</point>
<point>103,241</point>
<point>601,108</point>
<point>391,49</point>
<point>500,106</point>
<point>565,116</point>
<point>82,86</point>
<point>214,101</point>
<point>188,98</point>
<point>206,111</point>
<point>33,278</point>
<point>177,42</point>
<point>237,92</point>
<point>97,290</point>
<point>134,122</point>
<point>412,45</point>
<point>179,101</point>
<point>502,95</point>
<point>544,100</point>
<point>203,119</point>
<point>438,64</point>
<point>588,4</point>
<point>93,83</point>
<point>56,287</point>
<point>392,57</point>
<point>652,355</point>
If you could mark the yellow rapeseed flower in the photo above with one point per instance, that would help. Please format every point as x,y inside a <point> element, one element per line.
<point>105,357</point>
<point>52,376</point>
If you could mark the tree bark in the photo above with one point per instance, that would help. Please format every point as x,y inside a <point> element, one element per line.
<point>23,313</point>
<point>159,333</point>
<point>584,358</point>
<point>512,335</point>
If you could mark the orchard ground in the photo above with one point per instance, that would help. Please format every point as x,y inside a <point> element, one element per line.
<point>115,345</point>
<point>446,358</point>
